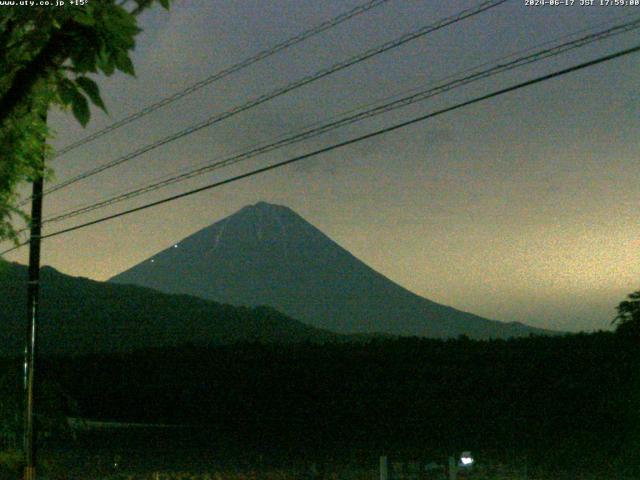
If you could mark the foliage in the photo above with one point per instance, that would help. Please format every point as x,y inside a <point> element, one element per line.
<point>628,318</point>
<point>45,57</point>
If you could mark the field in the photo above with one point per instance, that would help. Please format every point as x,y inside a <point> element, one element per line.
<point>557,408</point>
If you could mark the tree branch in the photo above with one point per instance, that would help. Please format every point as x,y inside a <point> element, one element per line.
<point>51,56</point>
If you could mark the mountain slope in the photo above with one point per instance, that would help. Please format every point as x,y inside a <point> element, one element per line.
<point>268,255</point>
<point>82,316</point>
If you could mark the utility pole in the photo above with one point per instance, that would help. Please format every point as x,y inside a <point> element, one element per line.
<point>33,300</point>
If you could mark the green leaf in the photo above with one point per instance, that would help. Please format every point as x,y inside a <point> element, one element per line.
<point>165,4</point>
<point>83,18</point>
<point>80,108</point>
<point>124,63</point>
<point>67,91</point>
<point>105,62</point>
<point>84,59</point>
<point>93,92</point>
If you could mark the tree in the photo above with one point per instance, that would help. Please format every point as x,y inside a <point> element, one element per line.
<point>628,318</point>
<point>45,56</point>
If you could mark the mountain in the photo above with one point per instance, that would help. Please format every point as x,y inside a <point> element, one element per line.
<point>84,316</point>
<point>268,255</point>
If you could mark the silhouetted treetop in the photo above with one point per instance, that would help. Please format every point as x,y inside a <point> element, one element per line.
<point>628,318</point>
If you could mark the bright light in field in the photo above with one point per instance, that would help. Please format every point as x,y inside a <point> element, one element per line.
<point>466,460</point>
<point>175,246</point>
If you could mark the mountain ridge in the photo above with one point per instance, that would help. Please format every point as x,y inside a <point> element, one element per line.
<point>79,315</point>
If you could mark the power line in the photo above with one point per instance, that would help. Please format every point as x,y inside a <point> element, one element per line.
<point>469,12</point>
<point>322,27</point>
<point>179,173</point>
<point>350,119</point>
<point>351,141</point>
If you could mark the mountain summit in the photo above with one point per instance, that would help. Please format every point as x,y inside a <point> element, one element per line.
<point>267,254</point>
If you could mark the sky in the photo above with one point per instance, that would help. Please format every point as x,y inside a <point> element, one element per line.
<point>519,208</point>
